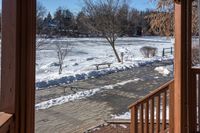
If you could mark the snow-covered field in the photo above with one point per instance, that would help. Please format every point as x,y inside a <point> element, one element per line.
<point>85,52</point>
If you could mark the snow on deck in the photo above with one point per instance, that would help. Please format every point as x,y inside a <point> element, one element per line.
<point>127,115</point>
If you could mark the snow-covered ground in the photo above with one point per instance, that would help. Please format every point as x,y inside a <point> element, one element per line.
<point>164,70</point>
<point>85,52</point>
<point>126,115</point>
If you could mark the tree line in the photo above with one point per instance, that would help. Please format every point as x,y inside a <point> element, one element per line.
<point>63,22</point>
<point>159,21</point>
<point>110,19</point>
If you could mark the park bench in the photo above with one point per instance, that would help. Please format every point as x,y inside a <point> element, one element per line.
<point>102,64</point>
<point>167,51</point>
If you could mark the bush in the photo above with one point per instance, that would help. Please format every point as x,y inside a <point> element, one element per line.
<point>195,56</point>
<point>148,51</point>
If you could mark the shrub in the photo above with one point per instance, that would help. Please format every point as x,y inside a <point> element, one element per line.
<point>148,51</point>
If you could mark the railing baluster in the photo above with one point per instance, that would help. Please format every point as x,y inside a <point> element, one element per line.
<point>158,114</point>
<point>151,104</point>
<point>147,117</point>
<point>164,111</point>
<point>171,107</point>
<point>134,119</point>
<point>152,116</point>
<point>141,119</point>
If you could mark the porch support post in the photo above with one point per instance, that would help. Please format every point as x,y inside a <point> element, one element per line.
<point>182,66</point>
<point>18,63</point>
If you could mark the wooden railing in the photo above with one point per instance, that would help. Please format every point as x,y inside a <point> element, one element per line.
<point>6,123</point>
<point>153,113</point>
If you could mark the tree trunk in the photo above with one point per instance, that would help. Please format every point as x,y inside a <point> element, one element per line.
<point>60,68</point>
<point>116,54</point>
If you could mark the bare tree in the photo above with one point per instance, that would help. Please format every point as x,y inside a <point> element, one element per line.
<point>39,43</point>
<point>62,49</point>
<point>101,17</point>
<point>40,14</point>
<point>162,19</point>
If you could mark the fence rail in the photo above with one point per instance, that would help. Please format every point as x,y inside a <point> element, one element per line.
<point>152,113</point>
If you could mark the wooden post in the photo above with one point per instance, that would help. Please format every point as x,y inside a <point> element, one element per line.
<point>163,53</point>
<point>134,120</point>
<point>8,58</point>
<point>171,50</point>
<point>152,116</point>
<point>18,62</point>
<point>171,108</point>
<point>182,34</point>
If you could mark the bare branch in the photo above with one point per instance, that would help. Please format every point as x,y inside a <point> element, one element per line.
<point>101,17</point>
<point>39,43</point>
<point>62,50</point>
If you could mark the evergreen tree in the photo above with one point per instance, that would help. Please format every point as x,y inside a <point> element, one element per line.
<point>58,20</point>
<point>40,14</point>
<point>81,27</point>
<point>123,18</point>
<point>48,25</point>
<point>64,21</point>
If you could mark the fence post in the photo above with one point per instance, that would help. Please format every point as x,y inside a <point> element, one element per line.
<point>171,51</point>
<point>163,54</point>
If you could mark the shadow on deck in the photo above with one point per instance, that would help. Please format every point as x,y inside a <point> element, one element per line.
<point>112,126</point>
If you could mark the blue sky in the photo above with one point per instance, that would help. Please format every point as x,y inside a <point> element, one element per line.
<point>76,5</point>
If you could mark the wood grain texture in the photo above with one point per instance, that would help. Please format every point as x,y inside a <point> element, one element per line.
<point>141,118</point>
<point>6,121</point>
<point>134,120</point>
<point>158,114</point>
<point>171,108</point>
<point>164,110</point>
<point>147,117</point>
<point>152,116</point>
<point>8,58</point>
<point>18,63</point>
<point>181,68</point>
